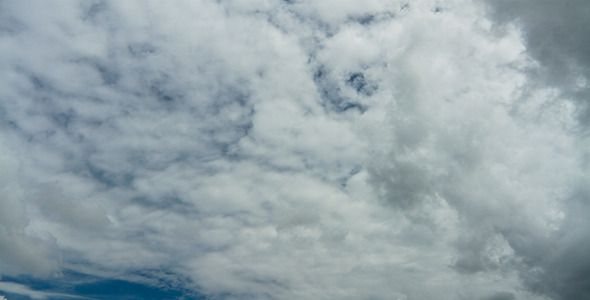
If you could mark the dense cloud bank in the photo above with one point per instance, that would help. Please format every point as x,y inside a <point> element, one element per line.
<point>298,149</point>
<point>555,34</point>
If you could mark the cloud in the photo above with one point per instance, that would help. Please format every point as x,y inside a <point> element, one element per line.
<point>15,288</point>
<point>554,34</point>
<point>294,149</point>
<point>21,251</point>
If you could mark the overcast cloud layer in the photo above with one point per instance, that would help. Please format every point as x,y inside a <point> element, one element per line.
<point>326,149</point>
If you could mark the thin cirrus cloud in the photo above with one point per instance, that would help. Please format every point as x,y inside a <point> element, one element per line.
<point>293,150</point>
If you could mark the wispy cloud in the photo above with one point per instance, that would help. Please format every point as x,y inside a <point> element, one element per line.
<point>15,288</point>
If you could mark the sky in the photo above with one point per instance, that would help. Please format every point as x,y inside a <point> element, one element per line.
<point>267,149</point>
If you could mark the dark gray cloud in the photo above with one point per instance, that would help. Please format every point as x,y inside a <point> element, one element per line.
<point>500,296</point>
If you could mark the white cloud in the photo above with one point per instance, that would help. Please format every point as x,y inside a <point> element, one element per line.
<point>20,251</point>
<point>288,149</point>
<point>20,289</point>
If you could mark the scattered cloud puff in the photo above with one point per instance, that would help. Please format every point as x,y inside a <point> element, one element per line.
<point>297,149</point>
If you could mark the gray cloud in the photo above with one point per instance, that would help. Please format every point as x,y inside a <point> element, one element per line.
<point>294,149</point>
<point>555,36</point>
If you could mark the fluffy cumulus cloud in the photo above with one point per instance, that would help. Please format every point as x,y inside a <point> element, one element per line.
<point>269,149</point>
